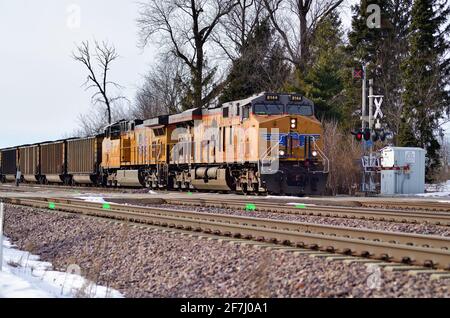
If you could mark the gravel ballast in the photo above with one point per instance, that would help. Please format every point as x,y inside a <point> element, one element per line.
<point>144,262</point>
<point>428,229</point>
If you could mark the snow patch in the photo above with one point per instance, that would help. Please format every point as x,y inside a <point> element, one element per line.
<point>92,199</point>
<point>298,203</point>
<point>436,190</point>
<point>284,197</point>
<point>25,276</point>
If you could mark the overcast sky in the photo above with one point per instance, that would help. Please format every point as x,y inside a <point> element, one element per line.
<point>40,84</point>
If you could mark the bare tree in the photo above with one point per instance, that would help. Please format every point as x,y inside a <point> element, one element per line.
<point>94,122</point>
<point>162,90</point>
<point>295,22</point>
<point>185,28</point>
<point>103,55</point>
<point>236,26</point>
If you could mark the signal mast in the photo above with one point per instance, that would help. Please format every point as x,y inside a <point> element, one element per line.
<point>370,132</point>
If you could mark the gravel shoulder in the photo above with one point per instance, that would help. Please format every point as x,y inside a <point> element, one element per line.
<point>144,262</point>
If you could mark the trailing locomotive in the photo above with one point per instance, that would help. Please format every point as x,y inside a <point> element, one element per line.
<point>267,143</point>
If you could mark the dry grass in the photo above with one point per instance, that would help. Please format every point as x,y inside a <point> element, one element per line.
<point>344,153</point>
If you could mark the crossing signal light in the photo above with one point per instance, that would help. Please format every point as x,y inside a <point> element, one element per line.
<point>375,136</point>
<point>367,134</point>
<point>358,134</point>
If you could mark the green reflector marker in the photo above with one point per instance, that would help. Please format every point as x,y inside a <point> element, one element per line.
<point>189,193</point>
<point>106,206</point>
<point>300,206</point>
<point>51,205</point>
<point>250,207</point>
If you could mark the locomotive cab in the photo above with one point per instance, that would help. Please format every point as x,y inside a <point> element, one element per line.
<point>290,156</point>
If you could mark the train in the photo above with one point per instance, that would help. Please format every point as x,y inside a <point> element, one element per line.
<point>269,143</point>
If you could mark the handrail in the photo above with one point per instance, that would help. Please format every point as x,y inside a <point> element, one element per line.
<point>269,151</point>
<point>322,155</point>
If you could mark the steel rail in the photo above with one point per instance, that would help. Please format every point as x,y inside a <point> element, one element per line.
<point>428,206</point>
<point>438,218</point>
<point>351,232</point>
<point>374,244</point>
<point>412,206</point>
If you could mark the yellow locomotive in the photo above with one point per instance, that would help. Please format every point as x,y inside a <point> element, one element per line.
<point>267,143</point>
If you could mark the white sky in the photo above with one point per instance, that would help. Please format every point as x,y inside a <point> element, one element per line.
<point>40,84</point>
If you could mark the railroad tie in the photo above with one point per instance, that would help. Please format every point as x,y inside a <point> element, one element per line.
<point>360,260</point>
<point>401,268</point>
<point>440,276</point>
<point>269,247</point>
<point>427,271</point>
<point>321,255</point>
<point>338,258</point>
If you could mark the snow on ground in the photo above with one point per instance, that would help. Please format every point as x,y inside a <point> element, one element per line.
<point>24,276</point>
<point>284,197</point>
<point>436,190</point>
<point>301,204</point>
<point>96,199</point>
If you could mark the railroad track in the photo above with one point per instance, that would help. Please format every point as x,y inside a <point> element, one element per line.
<point>404,216</point>
<point>415,249</point>
<point>402,205</point>
<point>411,207</point>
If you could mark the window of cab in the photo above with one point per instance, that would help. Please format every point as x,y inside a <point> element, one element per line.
<point>303,110</point>
<point>268,109</point>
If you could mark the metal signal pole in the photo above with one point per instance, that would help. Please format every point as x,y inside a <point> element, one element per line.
<point>363,101</point>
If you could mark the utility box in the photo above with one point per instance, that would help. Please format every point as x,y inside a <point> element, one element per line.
<point>402,170</point>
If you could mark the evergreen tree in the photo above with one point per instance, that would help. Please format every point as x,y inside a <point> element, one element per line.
<point>261,66</point>
<point>323,81</point>
<point>383,48</point>
<point>425,74</point>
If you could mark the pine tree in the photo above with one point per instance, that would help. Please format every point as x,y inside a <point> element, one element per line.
<point>383,49</point>
<point>425,75</point>
<point>322,81</point>
<point>261,66</point>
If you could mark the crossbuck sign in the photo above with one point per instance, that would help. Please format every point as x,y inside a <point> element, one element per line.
<point>378,99</point>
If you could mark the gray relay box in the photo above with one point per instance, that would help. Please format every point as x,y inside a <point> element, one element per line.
<point>402,170</point>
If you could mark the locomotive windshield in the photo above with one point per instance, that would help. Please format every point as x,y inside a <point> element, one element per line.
<point>268,109</point>
<point>304,110</point>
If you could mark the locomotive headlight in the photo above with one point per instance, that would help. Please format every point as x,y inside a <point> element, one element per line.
<point>314,153</point>
<point>282,153</point>
<point>293,123</point>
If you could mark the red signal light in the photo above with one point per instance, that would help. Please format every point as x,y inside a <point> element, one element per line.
<point>358,134</point>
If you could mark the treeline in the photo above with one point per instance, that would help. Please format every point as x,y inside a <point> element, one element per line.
<point>220,50</point>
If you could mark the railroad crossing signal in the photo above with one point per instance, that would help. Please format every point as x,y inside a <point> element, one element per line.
<point>367,134</point>
<point>378,100</point>
<point>358,73</point>
<point>358,134</point>
<point>370,135</point>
